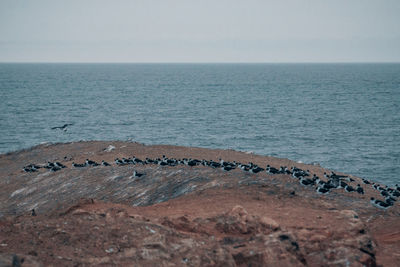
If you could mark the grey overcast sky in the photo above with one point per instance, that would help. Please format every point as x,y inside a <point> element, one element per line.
<point>200,31</point>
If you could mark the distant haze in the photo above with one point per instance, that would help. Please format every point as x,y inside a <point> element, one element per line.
<point>200,31</point>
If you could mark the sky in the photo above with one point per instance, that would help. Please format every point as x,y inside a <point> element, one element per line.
<point>200,31</point>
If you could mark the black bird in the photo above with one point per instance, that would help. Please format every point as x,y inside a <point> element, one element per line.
<point>33,213</point>
<point>349,188</point>
<point>227,168</point>
<point>27,169</point>
<point>137,174</point>
<point>119,162</point>
<point>272,170</point>
<point>136,160</point>
<point>104,163</point>
<point>191,163</point>
<point>256,169</point>
<point>64,127</point>
<point>91,162</point>
<point>58,164</point>
<point>162,163</point>
<point>359,189</point>
<point>77,165</point>
<point>306,182</point>
<point>365,181</point>
<point>395,193</point>
<point>55,168</point>
<point>390,200</point>
<point>379,203</point>
<point>321,190</point>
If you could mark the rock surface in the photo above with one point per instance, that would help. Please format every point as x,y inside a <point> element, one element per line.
<point>195,216</point>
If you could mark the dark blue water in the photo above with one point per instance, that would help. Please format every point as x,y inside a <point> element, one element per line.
<point>343,116</point>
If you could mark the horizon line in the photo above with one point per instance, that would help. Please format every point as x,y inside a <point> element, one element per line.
<point>199,62</point>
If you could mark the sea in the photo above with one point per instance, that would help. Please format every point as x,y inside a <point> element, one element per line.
<point>345,117</point>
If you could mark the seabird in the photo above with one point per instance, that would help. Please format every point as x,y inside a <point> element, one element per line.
<point>305,181</point>
<point>384,193</point>
<point>49,165</point>
<point>395,193</point>
<point>91,162</point>
<point>359,189</point>
<point>272,170</point>
<point>64,127</point>
<point>214,164</point>
<point>162,163</point>
<point>149,161</point>
<point>342,184</point>
<point>379,203</point>
<point>119,162</point>
<point>137,174</point>
<point>26,169</point>
<point>55,168</point>
<point>244,167</point>
<point>136,160</point>
<point>34,166</point>
<point>77,165</point>
<point>190,162</point>
<point>365,181</point>
<point>256,169</point>
<point>128,161</point>
<point>227,168</point>
<point>322,190</point>
<point>349,188</point>
<point>104,163</point>
<point>390,201</point>
<point>33,213</point>
<point>58,164</point>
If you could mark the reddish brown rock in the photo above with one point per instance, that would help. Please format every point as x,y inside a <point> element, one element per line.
<point>195,216</point>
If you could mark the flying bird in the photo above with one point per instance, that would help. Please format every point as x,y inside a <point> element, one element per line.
<point>64,127</point>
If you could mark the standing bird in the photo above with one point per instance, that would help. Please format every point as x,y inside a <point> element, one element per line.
<point>137,174</point>
<point>359,189</point>
<point>104,163</point>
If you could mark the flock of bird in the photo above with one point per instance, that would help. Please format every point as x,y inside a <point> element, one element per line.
<point>333,181</point>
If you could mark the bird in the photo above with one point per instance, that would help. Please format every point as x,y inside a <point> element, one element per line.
<point>33,212</point>
<point>136,160</point>
<point>379,203</point>
<point>227,168</point>
<point>49,165</point>
<point>119,162</point>
<point>162,163</point>
<point>137,174</point>
<point>58,164</point>
<point>390,201</point>
<point>104,163</point>
<point>77,165</point>
<point>55,168</point>
<point>305,181</point>
<point>359,189</point>
<point>91,162</point>
<point>256,169</point>
<point>349,188</point>
<point>271,170</point>
<point>365,181</point>
<point>322,190</point>
<point>64,127</point>
<point>27,169</point>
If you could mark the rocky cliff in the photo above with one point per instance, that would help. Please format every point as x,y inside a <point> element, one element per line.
<point>183,215</point>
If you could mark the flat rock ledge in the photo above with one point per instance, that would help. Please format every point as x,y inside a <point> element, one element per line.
<point>181,215</point>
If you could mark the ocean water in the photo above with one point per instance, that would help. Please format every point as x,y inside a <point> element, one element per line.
<point>343,116</point>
